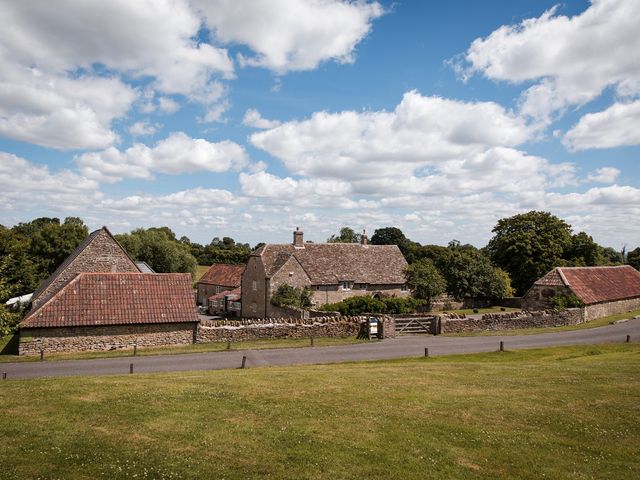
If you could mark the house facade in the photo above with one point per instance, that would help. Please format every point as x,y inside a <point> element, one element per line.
<point>603,290</point>
<point>333,272</point>
<point>220,277</point>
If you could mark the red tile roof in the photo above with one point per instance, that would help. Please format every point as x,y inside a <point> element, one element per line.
<point>92,299</point>
<point>223,274</point>
<point>235,293</point>
<point>599,284</point>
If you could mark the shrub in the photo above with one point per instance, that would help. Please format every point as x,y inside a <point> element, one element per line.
<point>475,310</point>
<point>365,304</point>
<point>8,321</point>
<point>561,302</point>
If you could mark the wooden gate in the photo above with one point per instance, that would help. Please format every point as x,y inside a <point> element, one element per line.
<point>418,325</point>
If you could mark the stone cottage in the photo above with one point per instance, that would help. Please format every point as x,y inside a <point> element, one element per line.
<point>333,272</point>
<point>105,311</point>
<point>99,252</point>
<point>220,277</point>
<point>603,290</point>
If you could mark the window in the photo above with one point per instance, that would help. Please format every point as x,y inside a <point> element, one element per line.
<point>254,285</point>
<point>346,285</point>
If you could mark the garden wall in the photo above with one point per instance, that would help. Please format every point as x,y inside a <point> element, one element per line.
<point>253,329</point>
<point>513,320</point>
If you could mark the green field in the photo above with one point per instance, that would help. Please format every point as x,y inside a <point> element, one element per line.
<point>563,413</point>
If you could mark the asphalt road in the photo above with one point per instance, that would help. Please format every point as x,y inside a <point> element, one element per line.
<point>405,346</point>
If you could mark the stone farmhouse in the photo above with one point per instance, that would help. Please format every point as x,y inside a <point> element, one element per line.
<point>99,300</point>
<point>220,277</point>
<point>603,290</point>
<point>333,272</point>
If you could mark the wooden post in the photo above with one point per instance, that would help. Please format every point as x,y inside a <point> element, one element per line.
<point>244,361</point>
<point>501,346</point>
<point>135,349</point>
<point>628,338</point>
<point>311,340</point>
<point>130,368</point>
<point>41,355</point>
<point>426,352</point>
<point>228,344</point>
<point>4,375</point>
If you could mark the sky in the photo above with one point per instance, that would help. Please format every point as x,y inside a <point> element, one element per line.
<point>249,118</point>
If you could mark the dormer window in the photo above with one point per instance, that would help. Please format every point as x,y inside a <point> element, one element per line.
<point>346,285</point>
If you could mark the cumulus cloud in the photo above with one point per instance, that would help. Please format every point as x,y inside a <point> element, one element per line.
<point>143,128</point>
<point>176,154</point>
<point>571,60</point>
<point>253,118</point>
<point>603,175</point>
<point>292,34</point>
<point>616,126</point>
<point>421,131</point>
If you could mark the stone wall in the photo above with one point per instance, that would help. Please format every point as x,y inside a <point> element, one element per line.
<point>248,329</point>
<point>600,310</point>
<point>100,338</point>
<point>540,297</point>
<point>102,254</point>
<point>512,320</point>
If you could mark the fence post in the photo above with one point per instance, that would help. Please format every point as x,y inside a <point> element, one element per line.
<point>130,368</point>
<point>41,355</point>
<point>628,338</point>
<point>311,340</point>
<point>244,361</point>
<point>501,346</point>
<point>135,349</point>
<point>228,344</point>
<point>4,375</point>
<point>426,352</point>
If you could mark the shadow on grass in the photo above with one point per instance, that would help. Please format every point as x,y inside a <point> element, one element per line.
<point>10,347</point>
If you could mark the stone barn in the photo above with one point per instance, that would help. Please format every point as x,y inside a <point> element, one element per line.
<point>333,272</point>
<point>107,311</point>
<point>220,277</point>
<point>603,290</point>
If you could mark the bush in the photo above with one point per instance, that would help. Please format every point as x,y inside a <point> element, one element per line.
<point>502,309</point>
<point>562,302</point>
<point>365,304</point>
<point>475,310</point>
<point>8,321</point>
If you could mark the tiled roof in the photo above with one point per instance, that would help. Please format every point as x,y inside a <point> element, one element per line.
<point>600,284</point>
<point>331,263</point>
<point>235,293</point>
<point>92,299</point>
<point>223,274</point>
<point>72,256</point>
<point>551,278</point>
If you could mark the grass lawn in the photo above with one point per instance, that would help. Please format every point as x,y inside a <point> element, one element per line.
<point>181,349</point>
<point>563,413</point>
<point>598,322</point>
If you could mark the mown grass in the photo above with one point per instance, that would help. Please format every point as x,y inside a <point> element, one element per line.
<point>562,413</point>
<point>598,322</point>
<point>183,349</point>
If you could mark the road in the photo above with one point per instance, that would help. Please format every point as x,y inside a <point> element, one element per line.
<point>405,346</point>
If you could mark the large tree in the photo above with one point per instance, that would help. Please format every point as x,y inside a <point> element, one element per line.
<point>633,258</point>
<point>424,280</point>
<point>159,248</point>
<point>347,235</point>
<point>528,245</point>
<point>391,236</point>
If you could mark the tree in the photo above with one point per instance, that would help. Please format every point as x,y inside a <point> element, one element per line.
<point>633,258</point>
<point>347,235</point>
<point>583,251</point>
<point>424,280</point>
<point>391,236</point>
<point>159,248</point>
<point>528,245</point>
<point>288,296</point>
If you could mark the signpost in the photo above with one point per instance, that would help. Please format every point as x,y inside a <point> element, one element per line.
<point>373,327</point>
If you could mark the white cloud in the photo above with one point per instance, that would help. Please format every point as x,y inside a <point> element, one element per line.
<point>253,118</point>
<point>176,154</point>
<point>25,184</point>
<point>572,59</point>
<point>616,126</point>
<point>143,128</point>
<point>168,105</point>
<point>420,132</point>
<point>292,34</point>
<point>603,175</point>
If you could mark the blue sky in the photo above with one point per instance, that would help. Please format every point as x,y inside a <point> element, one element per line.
<point>246,119</point>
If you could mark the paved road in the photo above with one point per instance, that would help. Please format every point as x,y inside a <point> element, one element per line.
<point>406,346</point>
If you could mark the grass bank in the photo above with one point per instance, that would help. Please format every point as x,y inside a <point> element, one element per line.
<point>570,413</point>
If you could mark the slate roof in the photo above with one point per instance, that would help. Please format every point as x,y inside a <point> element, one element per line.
<point>597,284</point>
<point>72,256</point>
<point>223,274</point>
<point>331,263</point>
<point>92,299</point>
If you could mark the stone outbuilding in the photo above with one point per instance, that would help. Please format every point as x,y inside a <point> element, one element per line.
<point>603,290</point>
<point>333,272</point>
<point>220,277</point>
<point>106,311</point>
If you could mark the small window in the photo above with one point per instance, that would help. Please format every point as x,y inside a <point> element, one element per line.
<point>291,274</point>
<point>346,285</point>
<point>254,285</point>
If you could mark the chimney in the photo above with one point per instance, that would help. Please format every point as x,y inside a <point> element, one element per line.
<point>298,241</point>
<point>364,240</point>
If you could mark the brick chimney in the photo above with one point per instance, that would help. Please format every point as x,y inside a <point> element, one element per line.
<point>364,240</point>
<point>298,240</point>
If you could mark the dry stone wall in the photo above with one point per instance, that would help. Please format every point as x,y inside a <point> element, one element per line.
<point>512,320</point>
<point>103,338</point>
<point>600,310</point>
